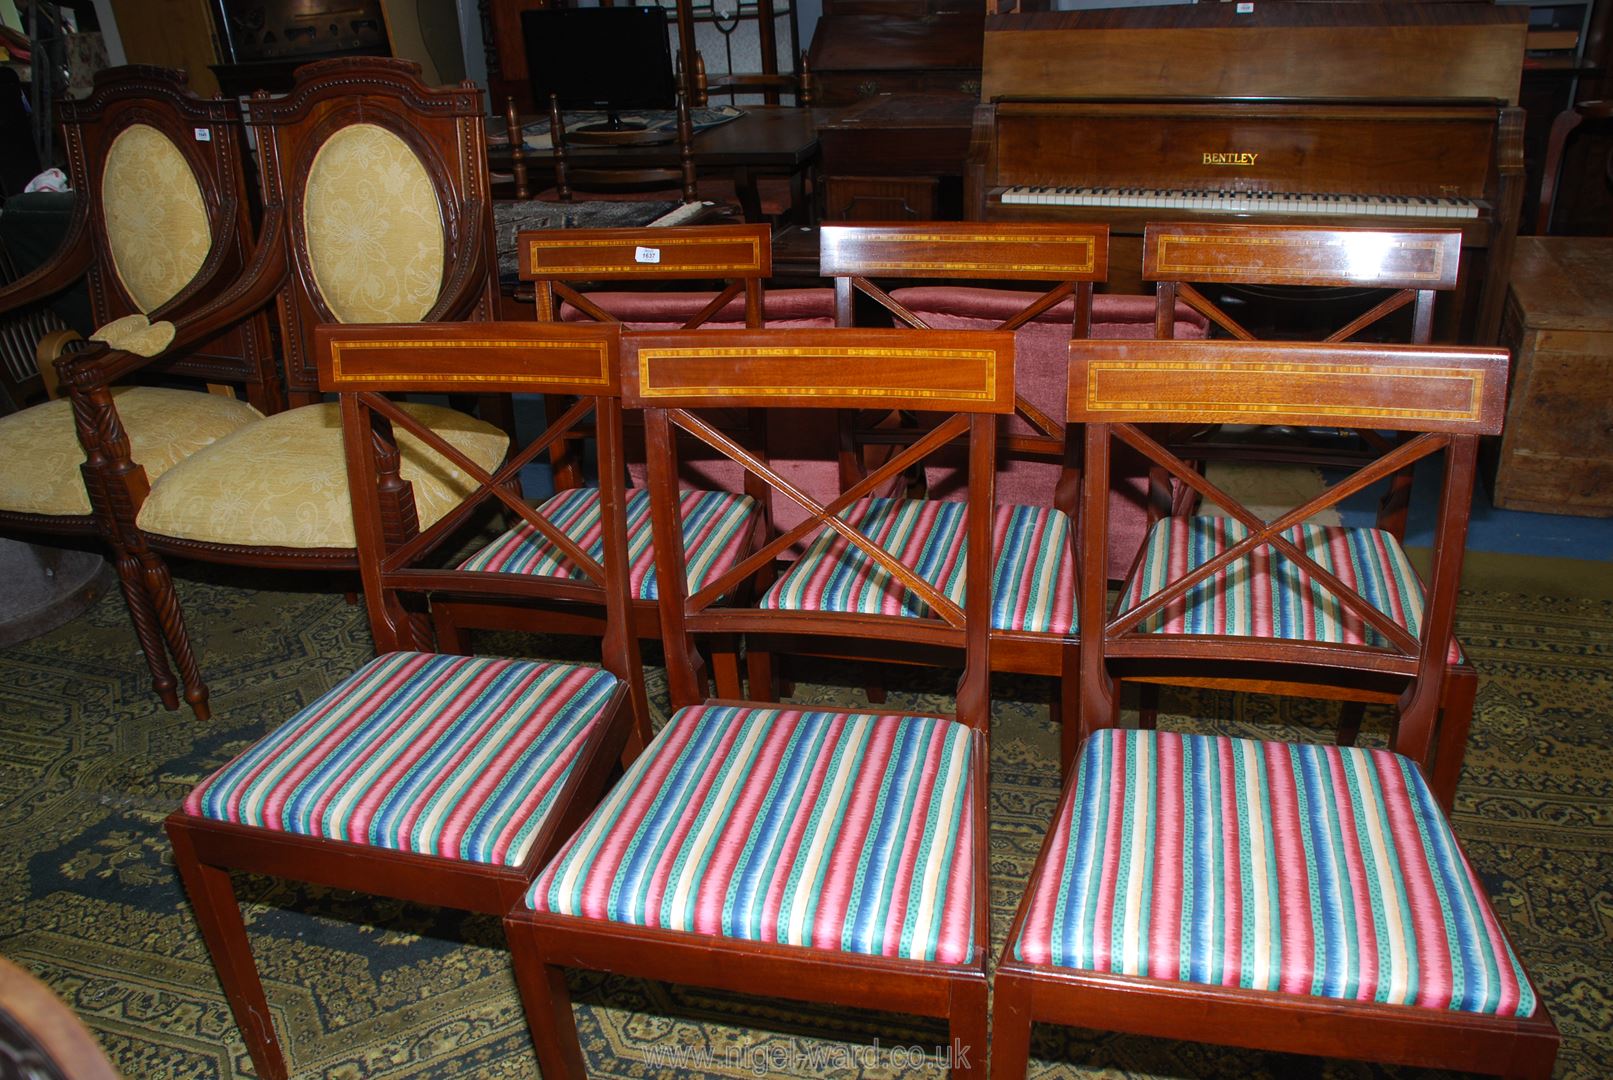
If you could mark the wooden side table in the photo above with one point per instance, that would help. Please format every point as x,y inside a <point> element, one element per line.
<point>1556,453</point>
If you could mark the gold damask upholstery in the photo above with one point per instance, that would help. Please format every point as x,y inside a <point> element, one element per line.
<point>156,221</point>
<point>42,453</point>
<point>374,227</point>
<point>283,482</point>
<point>137,334</point>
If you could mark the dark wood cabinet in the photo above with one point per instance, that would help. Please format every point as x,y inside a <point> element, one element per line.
<point>900,79</point>
<point>896,157</point>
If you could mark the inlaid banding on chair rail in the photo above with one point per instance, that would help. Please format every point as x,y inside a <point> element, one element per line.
<point>1455,391</point>
<point>449,357</point>
<point>1411,259</point>
<point>612,254</point>
<point>823,369</point>
<point>978,253</point>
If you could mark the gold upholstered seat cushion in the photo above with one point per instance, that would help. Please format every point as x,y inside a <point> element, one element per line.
<point>283,482</point>
<point>41,452</point>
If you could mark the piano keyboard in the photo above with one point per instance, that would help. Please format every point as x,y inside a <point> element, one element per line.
<point>1233,202</point>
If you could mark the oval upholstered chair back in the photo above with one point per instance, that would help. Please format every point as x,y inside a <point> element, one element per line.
<point>383,184</point>
<point>164,199</point>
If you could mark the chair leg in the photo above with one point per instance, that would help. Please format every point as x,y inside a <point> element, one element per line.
<point>725,667</point>
<point>875,688</point>
<point>449,638</point>
<point>547,1002</point>
<point>1147,706</point>
<point>1068,719</point>
<point>966,1028</point>
<point>759,675</point>
<point>1350,717</point>
<point>219,917</point>
<point>160,588</point>
<point>1010,1029</point>
<point>146,629</point>
<point>1450,739</point>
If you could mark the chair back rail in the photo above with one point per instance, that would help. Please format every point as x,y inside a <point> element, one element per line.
<point>739,255</point>
<point>966,377</point>
<point>1069,258</point>
<point>1445,398</point>
<point>1413,263</point>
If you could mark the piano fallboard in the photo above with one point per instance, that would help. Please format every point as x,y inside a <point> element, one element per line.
<point>1369,149</point>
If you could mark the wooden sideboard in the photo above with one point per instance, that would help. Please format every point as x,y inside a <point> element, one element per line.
<point>1556,451</point>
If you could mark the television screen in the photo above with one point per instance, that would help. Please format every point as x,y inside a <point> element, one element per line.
<point>603,58</point>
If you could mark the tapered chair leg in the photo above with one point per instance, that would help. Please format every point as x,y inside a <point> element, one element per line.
<point>1010,1029</point>
<point>1455,718</point>
<point>547,1002</point>
<point>725,667</point>
<point>966,1028</point>
<point>219,916</point>
<point>1147,706</point>
<point>1350,717</point>
<point>759,675</point>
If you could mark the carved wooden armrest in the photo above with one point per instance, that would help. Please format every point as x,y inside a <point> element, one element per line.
<point>256,287</point>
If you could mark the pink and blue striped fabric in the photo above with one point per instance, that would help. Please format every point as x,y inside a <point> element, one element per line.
<point>827,830</point>
<point>1267,595</point>
<point>1320,870</point>
<point>1033,582</point>
<point>715,527</point>
<point>453,756</point>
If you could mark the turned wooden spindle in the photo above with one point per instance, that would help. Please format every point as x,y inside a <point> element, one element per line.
<point>686,151</point>
<point>512,124</point>
<point>557,139</point>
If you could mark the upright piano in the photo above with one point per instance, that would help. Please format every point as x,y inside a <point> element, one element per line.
<point>1344,114</point>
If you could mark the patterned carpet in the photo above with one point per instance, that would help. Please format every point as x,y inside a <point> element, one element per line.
<point>89,765</point>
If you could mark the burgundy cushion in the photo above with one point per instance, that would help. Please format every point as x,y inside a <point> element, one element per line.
<point>1041,376</point>
<point>670,310</point>
<point>804,447</point>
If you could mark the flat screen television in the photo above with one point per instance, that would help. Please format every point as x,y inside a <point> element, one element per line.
<point>616,58</point>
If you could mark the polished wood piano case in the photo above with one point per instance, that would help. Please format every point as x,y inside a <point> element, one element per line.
<point>1188,114</point>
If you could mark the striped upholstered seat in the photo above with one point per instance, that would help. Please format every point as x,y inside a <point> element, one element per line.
<point>397,757</point>
<point>1032,583</point>
<point>715,525</point>
<point>1319,870</point>
<point>851,832</point>
<point>1265,594</point>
